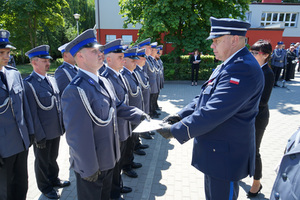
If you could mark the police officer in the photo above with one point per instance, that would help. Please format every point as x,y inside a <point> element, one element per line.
<point>278,61</point>
<point>222,118</point>
<point>44,102</point>
<point>143,80</point>
<point>156,67</point>
<point>135,99</point>
<point>160,64</point>
<point>16,133</point>
<point>67,71</point>
<point>114,57</point>
<point>150,70</point>
<point>287,182</point>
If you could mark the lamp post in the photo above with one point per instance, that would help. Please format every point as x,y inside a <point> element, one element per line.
<point>76,16</point>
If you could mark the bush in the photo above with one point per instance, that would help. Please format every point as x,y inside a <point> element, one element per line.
<point>58,62</point>
<point>183,71</point>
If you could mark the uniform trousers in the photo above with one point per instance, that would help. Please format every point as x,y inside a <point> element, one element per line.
<point>14,177</point>
<point>217,189</point>
<point>45,166</point>
<point>117,182</point>
<point>156,99</point>
<point>195,72</point>
<point>260,126</point>
<point>277,71</point>
<point>98,190</point>
<point>153,103</point>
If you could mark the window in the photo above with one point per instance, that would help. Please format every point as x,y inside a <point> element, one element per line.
<point>127,39</point>
<point>289,19</point>
<point>110,38</point>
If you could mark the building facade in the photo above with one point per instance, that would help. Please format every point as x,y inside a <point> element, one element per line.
<point>274,21</point>
<point>270,20</point>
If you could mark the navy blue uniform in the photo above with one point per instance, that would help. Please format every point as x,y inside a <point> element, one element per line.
<point>16,126</point>
<point>64,75</point>
<point>222,120</point>
<point>143,80</point>
<point>44,102</point>
<point>124,126</point>
<point>287,182</point>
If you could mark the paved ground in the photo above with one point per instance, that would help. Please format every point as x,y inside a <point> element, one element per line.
<point>167,174</point>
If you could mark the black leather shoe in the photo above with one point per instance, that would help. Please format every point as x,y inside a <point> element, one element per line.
<point>154,116</point>
<point>61,183</point>
<point>250,194</point>
<point>136,165</point>
<point>157,113</point>
<point>52,194</point>
<point>139,152</point>
<point>125,189</point>
<point>146,136</point>
<point>143,146</point>
<point>131,173</point>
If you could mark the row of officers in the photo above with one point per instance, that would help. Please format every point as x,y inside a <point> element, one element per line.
<point>97,103</point>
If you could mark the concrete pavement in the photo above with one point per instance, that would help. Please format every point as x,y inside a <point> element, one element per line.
<point>167,173</point>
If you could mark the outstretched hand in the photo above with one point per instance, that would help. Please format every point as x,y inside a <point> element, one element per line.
<point>165,131</point>
<point>41,144</point>
<point>145,116</point>
<point>94,177</point>
<point>172,119</point>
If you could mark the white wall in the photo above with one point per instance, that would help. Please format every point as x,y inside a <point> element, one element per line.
<point>109,15</point>
<point>257,9</point>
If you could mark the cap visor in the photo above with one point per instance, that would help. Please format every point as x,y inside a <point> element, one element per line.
<point>213,37</point>
<point>8,46</point>
<point>45,57</point>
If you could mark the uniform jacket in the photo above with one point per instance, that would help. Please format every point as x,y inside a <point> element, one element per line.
<point>64,75</point>
<point>144,82</point>
<point>121,92</point>
<point>262,117</point>
<point>192,59</point>
<point>222,119</point>
<point>162,78</point>
<point>102,69</point>
<point>93,145</point>
<point>157,69</point>
<point>47,122</point>
<point>134,89</point>
<point>15,117</point>
<point>287,182</point>
<point>150,70</point>
<point>278,58</point>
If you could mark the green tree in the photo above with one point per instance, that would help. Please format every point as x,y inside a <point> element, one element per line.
<point>25,18</point>
<point>186,22</point>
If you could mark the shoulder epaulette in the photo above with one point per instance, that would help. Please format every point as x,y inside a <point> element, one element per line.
<point>28,78</point>
<point>11,67</point>
<point>239,59</point>
<point>76,81</point>
<point>104,73</point>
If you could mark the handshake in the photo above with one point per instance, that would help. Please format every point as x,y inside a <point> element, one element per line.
<point>165,131</point>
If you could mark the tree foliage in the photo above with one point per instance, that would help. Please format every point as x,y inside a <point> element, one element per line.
<point>36,22</point>
<point>186,22</point>
<point>25,18</point>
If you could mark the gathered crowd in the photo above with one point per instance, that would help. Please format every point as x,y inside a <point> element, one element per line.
<point>101,93</point>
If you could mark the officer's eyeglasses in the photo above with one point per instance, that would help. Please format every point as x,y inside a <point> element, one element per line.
<point>254,53</point>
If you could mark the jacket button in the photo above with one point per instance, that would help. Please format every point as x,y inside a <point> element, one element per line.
<point>284,176</point>
<point>277,196</point>
<point>214,150</point>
